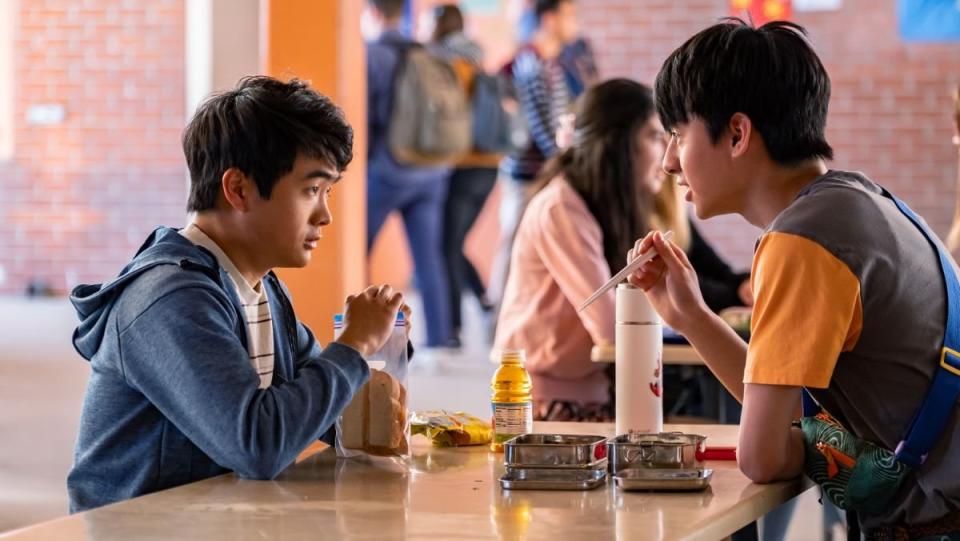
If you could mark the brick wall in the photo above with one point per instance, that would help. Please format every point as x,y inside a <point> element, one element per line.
<point>78,198</point>
<point>890,108</point>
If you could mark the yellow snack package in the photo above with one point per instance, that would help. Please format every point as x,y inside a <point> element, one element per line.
<point>451,429</point>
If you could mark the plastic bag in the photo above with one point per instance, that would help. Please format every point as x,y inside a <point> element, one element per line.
<point>375,423</point>
<point>451,429</point>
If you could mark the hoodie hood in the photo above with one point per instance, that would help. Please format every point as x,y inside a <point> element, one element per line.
<point>93,302</point>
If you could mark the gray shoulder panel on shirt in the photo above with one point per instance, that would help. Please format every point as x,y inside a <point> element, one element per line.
<point>848,215</point>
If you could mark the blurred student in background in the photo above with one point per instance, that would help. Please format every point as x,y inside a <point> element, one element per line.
<point>543,92</point>
<point>473,178</point>
<point>417,192</point>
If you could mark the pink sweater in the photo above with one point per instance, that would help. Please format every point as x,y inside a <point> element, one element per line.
<point>557,262</point>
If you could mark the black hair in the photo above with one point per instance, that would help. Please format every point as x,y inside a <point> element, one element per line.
<point>599,164</point>
<point>260,127</point>
<point>390,9</point>
<point>547,6</point>
<point>771,74</point>
<point>448,19</point>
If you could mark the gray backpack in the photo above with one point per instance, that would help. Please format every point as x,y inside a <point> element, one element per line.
<point>430,120</point>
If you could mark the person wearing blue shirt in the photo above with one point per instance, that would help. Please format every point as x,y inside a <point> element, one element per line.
<point>199,365</point>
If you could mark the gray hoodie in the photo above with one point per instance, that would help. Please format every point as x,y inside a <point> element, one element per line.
<point>172,396</point>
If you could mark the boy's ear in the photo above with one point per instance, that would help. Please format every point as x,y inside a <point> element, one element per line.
<point>741,129</point>
<point>237,189</point>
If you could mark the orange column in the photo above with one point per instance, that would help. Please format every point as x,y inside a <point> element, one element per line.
<point>320,41</point>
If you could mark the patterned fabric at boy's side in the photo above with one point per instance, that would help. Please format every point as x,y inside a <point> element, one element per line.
<point>854,474</point>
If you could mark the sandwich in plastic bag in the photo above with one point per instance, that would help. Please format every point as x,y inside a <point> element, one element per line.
<point>375,423</point>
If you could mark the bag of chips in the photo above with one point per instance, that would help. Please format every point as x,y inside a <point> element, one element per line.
<point>446,429</point>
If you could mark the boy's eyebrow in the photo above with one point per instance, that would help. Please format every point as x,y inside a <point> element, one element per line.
<point>324,174</point>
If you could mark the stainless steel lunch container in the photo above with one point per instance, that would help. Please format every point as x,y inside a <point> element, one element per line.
<point>555,451</point>
<point>662,450</point>
<point>663,479</point>
<point>553,479</point>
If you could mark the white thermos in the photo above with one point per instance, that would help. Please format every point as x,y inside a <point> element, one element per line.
<point>639,366</point>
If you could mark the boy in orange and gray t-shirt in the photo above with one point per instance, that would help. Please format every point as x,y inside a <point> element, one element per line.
<point>850,297</point>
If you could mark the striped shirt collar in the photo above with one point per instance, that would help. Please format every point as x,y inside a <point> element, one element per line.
<point>249,294</point>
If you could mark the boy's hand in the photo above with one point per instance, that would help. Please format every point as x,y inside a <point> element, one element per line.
<point>669,282</point>
<point>368,318</point>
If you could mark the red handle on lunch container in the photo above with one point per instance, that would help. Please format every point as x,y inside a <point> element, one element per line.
<point>600,452</point>
<point>718,453</point>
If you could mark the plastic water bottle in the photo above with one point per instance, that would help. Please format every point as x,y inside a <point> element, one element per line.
<point>639,363</point>
<point>511,401</point>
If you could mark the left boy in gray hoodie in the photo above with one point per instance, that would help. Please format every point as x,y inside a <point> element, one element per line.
<point>199,365</point>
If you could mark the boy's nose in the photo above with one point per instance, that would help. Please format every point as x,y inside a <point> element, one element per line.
<point>671,162</point>
<point>322,216</point>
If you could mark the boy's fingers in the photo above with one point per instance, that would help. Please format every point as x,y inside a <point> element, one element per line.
<point>667,255</point>
<point>395,301</point>
<point>655,270</point>
<point>644,281</point>
<point>642,245</point>
<point>648,274</point>
<point>350,299</point>
<point>655,267</point>
<point>681,255</point>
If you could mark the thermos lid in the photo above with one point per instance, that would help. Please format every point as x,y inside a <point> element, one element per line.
<point>633,306</point>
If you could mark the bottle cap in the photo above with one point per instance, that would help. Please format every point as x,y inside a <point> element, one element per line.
<point>512,356</point>
<point>633,306</point>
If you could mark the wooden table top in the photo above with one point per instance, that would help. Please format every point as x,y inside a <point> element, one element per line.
<point>440,494</point>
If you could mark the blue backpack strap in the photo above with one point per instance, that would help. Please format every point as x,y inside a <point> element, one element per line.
<point>810,406</point>
<point>941,399</point>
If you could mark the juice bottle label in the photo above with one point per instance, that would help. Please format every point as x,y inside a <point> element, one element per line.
<point>511,419</point>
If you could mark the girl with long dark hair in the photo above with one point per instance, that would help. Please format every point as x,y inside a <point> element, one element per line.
<point>598,197</point>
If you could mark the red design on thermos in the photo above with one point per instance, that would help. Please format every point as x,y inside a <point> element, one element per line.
<point>655,384</point>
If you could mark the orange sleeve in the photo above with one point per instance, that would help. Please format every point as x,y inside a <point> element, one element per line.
<point>807,311</point>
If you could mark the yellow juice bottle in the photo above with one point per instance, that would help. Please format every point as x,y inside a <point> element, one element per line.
<point>511,401</point>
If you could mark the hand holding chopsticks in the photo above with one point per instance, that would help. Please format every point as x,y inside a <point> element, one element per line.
<point>623,274</point>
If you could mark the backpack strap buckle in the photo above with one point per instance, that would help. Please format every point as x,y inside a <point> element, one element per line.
<point>950,360</point>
